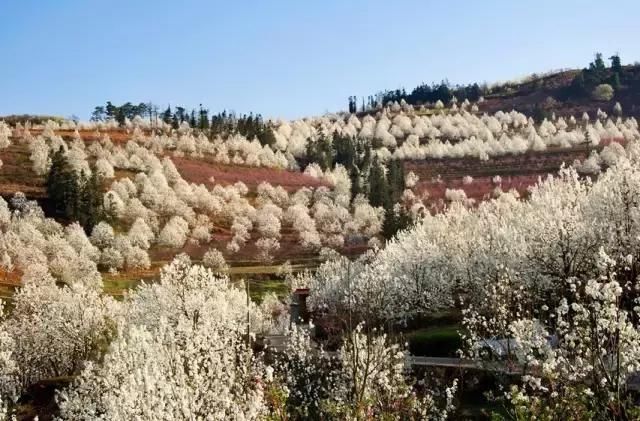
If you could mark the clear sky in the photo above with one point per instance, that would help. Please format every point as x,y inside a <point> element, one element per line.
<point>286,58</point>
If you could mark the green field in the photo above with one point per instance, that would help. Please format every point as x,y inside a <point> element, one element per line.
<point>435,341</point>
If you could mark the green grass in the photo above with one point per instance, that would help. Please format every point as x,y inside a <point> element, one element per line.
<point>259,270</point>
<point>116,287</point>
<point>435,341</point>
<point>262,279</point>
<point>110,283</point>
<point>259,288</point>
<point>259,285</point>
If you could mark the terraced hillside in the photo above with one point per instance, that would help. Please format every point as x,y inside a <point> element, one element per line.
<point>517,172</point>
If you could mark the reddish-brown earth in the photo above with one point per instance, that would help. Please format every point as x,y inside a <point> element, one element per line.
<point>516,171</point>
<point>200,172</point>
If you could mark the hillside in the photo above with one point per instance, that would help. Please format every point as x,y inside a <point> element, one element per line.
<point>564,92</point>
<point>549,94</point>
<point>403,203</point>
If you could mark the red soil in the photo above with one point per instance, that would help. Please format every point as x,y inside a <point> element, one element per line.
<point>480,188</point>
<point>116,135</point>
<point>517,172</point>
<point>200,172</point>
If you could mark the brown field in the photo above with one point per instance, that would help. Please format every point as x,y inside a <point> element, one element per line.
<point>517,171</point>
<point>200,172</point>
<point>17,174</point>
<point>116,135</point>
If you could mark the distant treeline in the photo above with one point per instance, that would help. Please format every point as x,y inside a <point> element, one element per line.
<point>421,94</point>
<point>583,84</point>
<point>14,119</point>
<point>221,124</point>
<point>598,73</point>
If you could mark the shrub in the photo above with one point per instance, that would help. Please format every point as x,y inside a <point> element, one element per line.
<point>603,92</point>
<point>214,259</point>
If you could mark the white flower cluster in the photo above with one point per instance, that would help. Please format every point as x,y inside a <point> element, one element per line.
<point>180,352</point>
<point>397,133</point>
<point>410,135</point>
<point>33,244</point>
<point>168,210</point>
<point>546,239</point>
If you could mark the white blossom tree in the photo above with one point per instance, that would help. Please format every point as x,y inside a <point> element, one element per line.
<point>214,260</point>
<point>174,233</point>
<point>180,354</point>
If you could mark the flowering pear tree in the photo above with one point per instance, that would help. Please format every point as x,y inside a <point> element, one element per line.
<point>181,352</point>
<point>579,359</point>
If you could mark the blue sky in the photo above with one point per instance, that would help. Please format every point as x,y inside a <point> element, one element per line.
<point>286,58</point>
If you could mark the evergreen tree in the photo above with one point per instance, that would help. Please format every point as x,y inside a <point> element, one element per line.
<point>385,190</point>
<point>378,186</point>
<point>539,113</point>
<point>578,88</point>
<point>394,222</point>
<point>167,116</point>
<point>61,184</point>
<point>111,110</point>
<point>72,196</point>
<point>120,116</point>
<point>180,115</point>
<point>598,63</point>
<point>98,114</point>
<point>203,118</point>
<point>395,179</point>
<point>614,81</point>
<point>352,104</point>
<point>88,210</point>
<point>345,151</point>
<point>321,152</point>
<point>616,64</point>
<point>266,137</point>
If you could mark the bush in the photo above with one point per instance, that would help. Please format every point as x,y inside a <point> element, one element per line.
<point>215,260</point>
<point>603,92</point>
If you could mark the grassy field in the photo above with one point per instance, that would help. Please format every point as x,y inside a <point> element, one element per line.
<point>258,288</point>
<point>435,341</point>
<point>262,279</point>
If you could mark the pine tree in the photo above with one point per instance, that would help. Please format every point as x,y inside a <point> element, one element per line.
<point>345,151</point>
<point>167,116</point>
<point>72,196</point>
<point>615,81</point>
<point>394,222</point>
<point>203,118</point>
<point>61,184</point>
<point>266,137</point>
<point>321,152</point>
<point>378,186</point>
<point>385,190</point>
<point>111,110</point>
<point>598,63</point>
<point>88,210</point>
<point>577,88</point>
<point>616,64</point>
<point>396,180</point>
